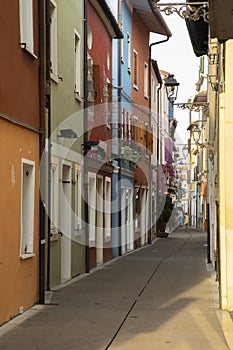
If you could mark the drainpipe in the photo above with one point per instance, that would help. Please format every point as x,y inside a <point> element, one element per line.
<point>150,177</point>
<point>48,108</point>
<point>41,12</point>
<point>85,123</point>
<point>119,116</point>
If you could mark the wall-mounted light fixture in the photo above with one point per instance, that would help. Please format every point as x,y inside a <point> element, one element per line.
<point>196,134</point>
<point>171,86</point>
<point>185,151</point>
<point>213,53</point>
<point>213,82</point>
<point>67,134</point>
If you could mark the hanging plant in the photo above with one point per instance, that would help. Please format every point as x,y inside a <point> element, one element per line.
<point>128,152</point>
<point>136,157</point>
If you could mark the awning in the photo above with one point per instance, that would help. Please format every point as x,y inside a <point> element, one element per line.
<point>200,97</point>
<point>198,32</point>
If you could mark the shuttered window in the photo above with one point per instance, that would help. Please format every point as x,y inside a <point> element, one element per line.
<point>26,25</point>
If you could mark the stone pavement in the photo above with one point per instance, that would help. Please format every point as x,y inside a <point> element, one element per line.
<point>158,297</point>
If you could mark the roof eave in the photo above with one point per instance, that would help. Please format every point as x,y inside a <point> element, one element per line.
<point>152,17</point>
<point>108,19</point>
<point>156,70</point>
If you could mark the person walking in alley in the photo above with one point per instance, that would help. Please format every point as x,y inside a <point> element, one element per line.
<point>186,221</point>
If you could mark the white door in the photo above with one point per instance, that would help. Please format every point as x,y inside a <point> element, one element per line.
<point>66,224</point>
<point>99,230</point>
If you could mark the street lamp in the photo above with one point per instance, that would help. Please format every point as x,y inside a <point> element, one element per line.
<point>185,151</point>
<point>196,134</point>
<point>171,86</point>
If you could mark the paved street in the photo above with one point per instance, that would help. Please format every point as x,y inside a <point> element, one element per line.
<point>159,297</point>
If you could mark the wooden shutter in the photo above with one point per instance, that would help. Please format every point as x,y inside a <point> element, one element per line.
<point>150,139</point>
<point>96,84</point>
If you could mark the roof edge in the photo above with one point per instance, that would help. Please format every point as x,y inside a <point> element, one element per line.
<point>108,18</point>
<point>156,70</point>
<point>160,18</point>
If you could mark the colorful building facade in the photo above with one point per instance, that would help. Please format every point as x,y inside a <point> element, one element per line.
<point>20,125</point>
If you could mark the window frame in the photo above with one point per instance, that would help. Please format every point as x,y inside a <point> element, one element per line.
<point>77,65</point>
<point>129,53</point>
<point>26,26</point>
<point>135,69</point>
<point>27,210</point>
<point>53,41</point>
<point>146,79</point>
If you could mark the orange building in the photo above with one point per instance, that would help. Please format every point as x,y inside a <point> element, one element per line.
<point>19,154</point>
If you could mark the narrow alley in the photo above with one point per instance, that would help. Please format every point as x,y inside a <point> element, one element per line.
<point>157,297</point>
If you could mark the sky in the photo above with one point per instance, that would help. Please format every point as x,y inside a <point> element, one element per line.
<point>177,57</point>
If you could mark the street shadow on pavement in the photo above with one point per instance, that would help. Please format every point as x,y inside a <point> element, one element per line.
<point>157,297</point>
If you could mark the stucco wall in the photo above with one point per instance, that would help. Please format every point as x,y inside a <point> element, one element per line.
<point>18,69</point>
<point>19,278</point>
<point>141,45</point>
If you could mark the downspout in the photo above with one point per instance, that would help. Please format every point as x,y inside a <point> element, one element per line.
<point>48,109</point>
<point>158,111</point>
<point>119,116</point>
<point>150,177</point>
<point>41,26</point>
<point>85,123</point>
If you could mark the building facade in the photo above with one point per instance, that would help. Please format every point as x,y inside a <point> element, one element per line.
<point>65,130</point>
<point>21,131</point>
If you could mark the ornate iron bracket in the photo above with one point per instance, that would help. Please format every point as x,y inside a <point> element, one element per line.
<point>190,10</point>
<point>194,106</point>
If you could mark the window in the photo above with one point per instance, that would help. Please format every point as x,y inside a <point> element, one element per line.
<point>137,220</point>
<point>92,209</point>
<point>54,198</point>
<point>129,52</point>
<point>27,208</point>
<point>78,204</point>
<point>145,79</point>
<point>149,139</point>
<point>135,70</point>
<point>26,25</point>
<point>140,133</point>
<point>53,40</point>
<point>122,123</point>
<point>122,46</point>
<point>154,92</point>
<point>107,209</point>
<point>77,86</point>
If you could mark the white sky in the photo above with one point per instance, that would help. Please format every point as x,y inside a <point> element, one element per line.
<point>177,57</point>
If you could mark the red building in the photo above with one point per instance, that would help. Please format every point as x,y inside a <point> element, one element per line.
<point>102,28</point>
<point>144,22</point>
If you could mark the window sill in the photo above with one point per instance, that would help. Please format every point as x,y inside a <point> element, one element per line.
<point>135,87</point>
<point>25,48</point>
<point>146,97</point>
<point>27,256</point>
<point>77,96</point>
<point>54,77</point>
<point>129,70</point>
<point>54,237</point>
